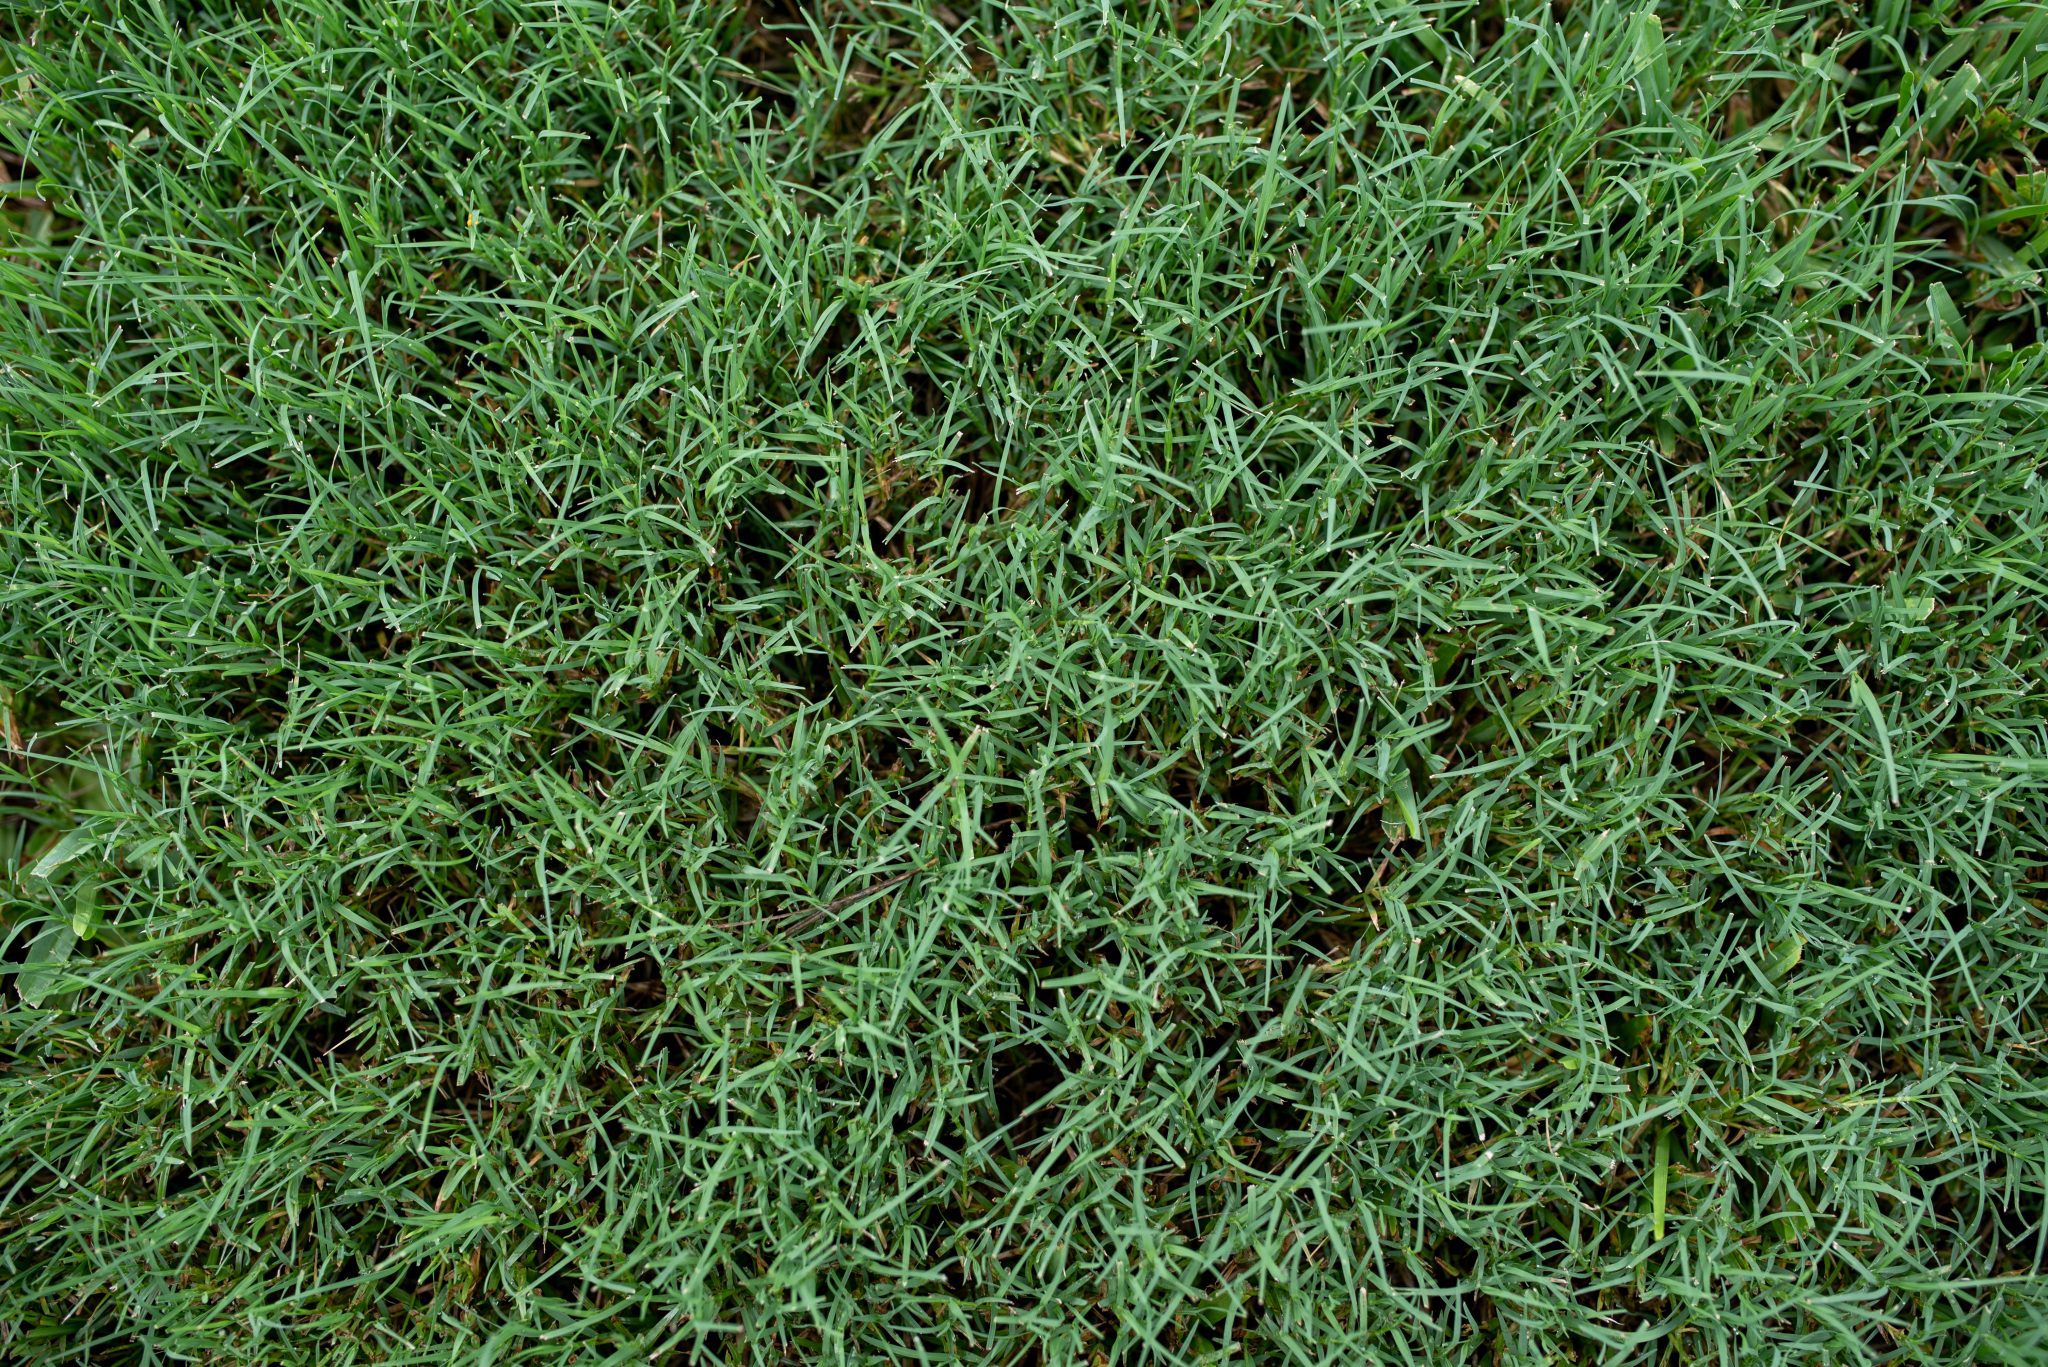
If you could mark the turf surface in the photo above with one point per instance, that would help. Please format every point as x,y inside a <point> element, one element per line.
<point>1336,681</point>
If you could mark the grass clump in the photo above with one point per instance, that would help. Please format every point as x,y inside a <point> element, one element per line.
<point>1320,682</point>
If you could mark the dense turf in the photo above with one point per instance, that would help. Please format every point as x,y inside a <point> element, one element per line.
<point>1331,681</point>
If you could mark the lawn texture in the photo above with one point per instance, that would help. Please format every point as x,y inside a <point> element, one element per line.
<point>1319,682</point>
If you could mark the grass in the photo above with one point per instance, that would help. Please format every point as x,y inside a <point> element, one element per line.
<point>1341,681</point>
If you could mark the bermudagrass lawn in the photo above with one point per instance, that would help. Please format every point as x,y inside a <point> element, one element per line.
<point>1316,682</point>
